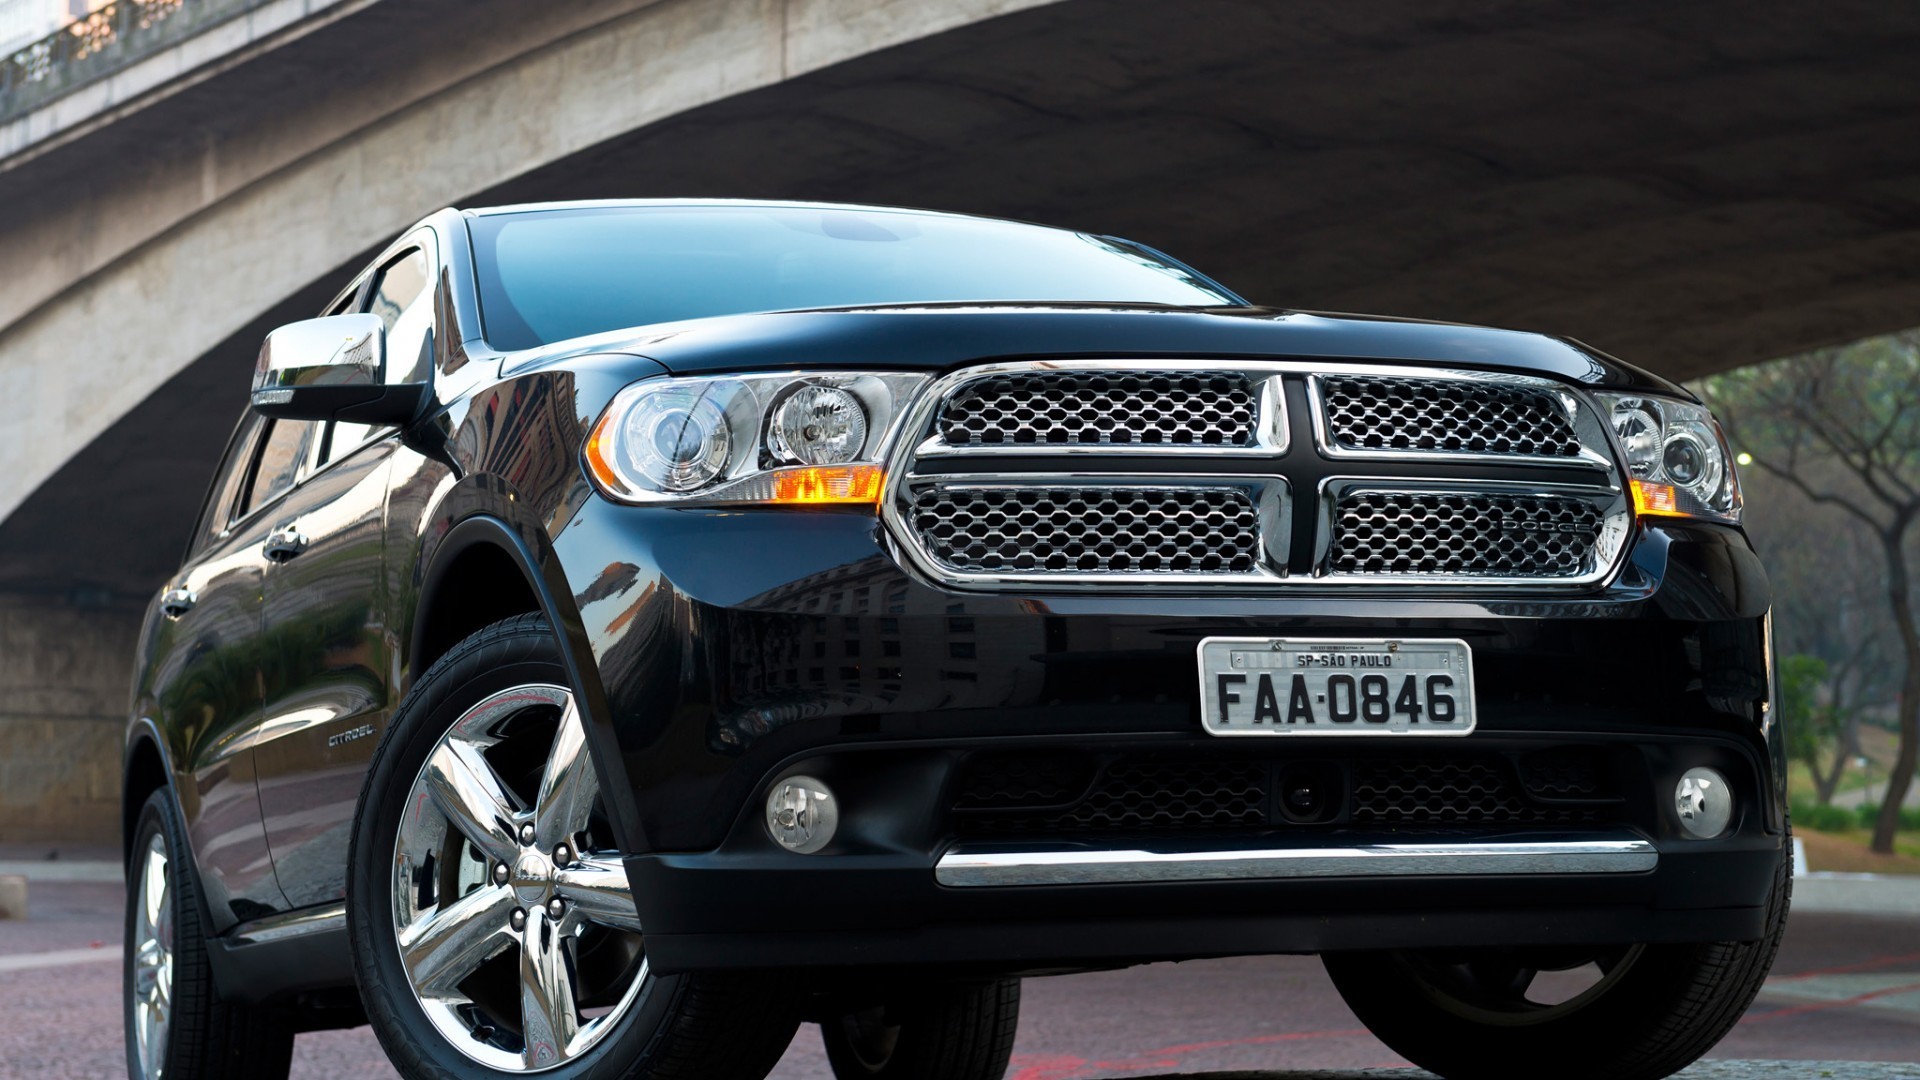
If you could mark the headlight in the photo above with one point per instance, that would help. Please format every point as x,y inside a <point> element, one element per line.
<point>1676,456</point>
<point>804,439</point>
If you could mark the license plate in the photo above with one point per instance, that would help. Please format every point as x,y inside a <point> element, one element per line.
<point>1351,686</point>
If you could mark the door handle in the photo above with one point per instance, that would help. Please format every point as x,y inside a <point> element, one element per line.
<point>284,543</point>
<point>177,601</point>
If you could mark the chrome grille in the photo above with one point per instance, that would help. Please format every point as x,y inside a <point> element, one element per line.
<point>1185,471</point>
<point>1467,534</point>
<point>1457,416</point>
<point>1112,408</point>
<point>1087,530</point>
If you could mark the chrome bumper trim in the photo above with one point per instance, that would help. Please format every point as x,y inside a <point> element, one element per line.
<point>987,867</point>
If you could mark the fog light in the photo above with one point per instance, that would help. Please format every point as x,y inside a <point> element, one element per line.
<point>802,814</point>
<point>1704,802</point>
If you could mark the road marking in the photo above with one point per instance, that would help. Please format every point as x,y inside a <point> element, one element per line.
<point>1073,1067</point>
<point>60,958</point>
<point>1848,969</point>
<point>64,870</point>
<point>1896,991</point>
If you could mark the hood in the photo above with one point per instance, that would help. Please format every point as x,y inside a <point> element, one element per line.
<point>943,336</point>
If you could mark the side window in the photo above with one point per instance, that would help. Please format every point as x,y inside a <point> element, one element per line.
<point>402,296</point>
<point>281,455</point>
<point>345,303</point>
<point>404,302</point>
<point>227,483</point>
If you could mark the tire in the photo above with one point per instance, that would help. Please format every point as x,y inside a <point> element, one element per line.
<point>176,1025</point>
<point>496,1020</point>
<point>962,1031</point>
<point>1660,1009</point>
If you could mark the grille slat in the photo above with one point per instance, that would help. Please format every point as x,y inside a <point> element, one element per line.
<point>1480,534</point>
<point>1088,530</point>
<point>1111,408</point>
<point>1446,416</point>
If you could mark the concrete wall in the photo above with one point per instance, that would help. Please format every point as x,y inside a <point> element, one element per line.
<point>65,671</point>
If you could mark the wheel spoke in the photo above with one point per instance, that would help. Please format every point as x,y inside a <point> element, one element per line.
<point>569,787</point>
<point>154,878</point>
<point>549,1018</point>
<point>1503,980</point>
<point>470,793</point>
<point>1610,959</point>
<point>443,949</point>
<point>596,887</point>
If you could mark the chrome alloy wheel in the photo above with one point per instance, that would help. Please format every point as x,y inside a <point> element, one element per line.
<point>511,909</point>
<point>152,987</point>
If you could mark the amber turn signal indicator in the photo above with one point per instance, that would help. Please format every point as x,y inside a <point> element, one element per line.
<point>1660,499</point>
<point>827,484</point>
<point>597,458</point>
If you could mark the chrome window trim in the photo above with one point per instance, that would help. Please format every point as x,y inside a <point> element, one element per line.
<point>1596,442</point>
<point>1616,517</point>
<point>1273,506</point>
<point>1270,430</point>
<point>972,866</point>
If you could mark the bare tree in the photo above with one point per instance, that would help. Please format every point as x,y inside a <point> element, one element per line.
<point>1829,603</point>
<point>1842,426</point>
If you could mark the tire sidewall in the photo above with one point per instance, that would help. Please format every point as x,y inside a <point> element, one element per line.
<point>1601,1039</point>
<point>462,678</point>
<point>151,822</point>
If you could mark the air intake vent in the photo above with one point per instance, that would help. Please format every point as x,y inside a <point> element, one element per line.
<point>1457,791</point>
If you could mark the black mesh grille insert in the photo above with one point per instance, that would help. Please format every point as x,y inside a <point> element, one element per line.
<point>999,780</point>
<point>1121,408</point>
<point>1457,791</point>
<point>1065,530</point>
<point>1446,416</point>
<point>1134,796</point>
<point>1067,794</point>
<point>1486,535</point>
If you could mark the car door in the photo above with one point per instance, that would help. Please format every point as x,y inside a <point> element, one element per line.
<point>209,681</point>
<point>326,686</point>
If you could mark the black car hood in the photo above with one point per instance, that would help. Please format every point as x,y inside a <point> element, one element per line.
<point>942,336</point>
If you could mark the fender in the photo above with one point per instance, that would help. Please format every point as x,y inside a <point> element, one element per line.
<point>142,731</point>
<point>543,574</point>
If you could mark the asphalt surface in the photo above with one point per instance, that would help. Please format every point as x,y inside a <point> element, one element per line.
<point>1844,1004</point>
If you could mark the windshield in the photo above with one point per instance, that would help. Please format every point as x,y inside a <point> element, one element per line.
<point>549,275</point>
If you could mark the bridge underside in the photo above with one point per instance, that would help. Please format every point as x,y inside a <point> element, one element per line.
<point>1690,187</point>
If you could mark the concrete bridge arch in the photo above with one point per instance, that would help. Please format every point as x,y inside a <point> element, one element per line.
<point>1689,186</point>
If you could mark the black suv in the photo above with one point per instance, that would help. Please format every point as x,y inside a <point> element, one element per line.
<point>620,632</point>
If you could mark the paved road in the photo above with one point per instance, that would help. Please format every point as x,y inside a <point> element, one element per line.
<point>1847,987</point>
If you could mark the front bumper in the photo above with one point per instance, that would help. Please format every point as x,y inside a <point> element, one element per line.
<point>738,648</point>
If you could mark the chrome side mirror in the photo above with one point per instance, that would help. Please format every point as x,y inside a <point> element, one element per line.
<point>332,368</point>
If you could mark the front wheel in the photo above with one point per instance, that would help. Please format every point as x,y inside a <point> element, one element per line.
<point>493,929</point>
<point>1637,1012</point>
<point>960,1031</point>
